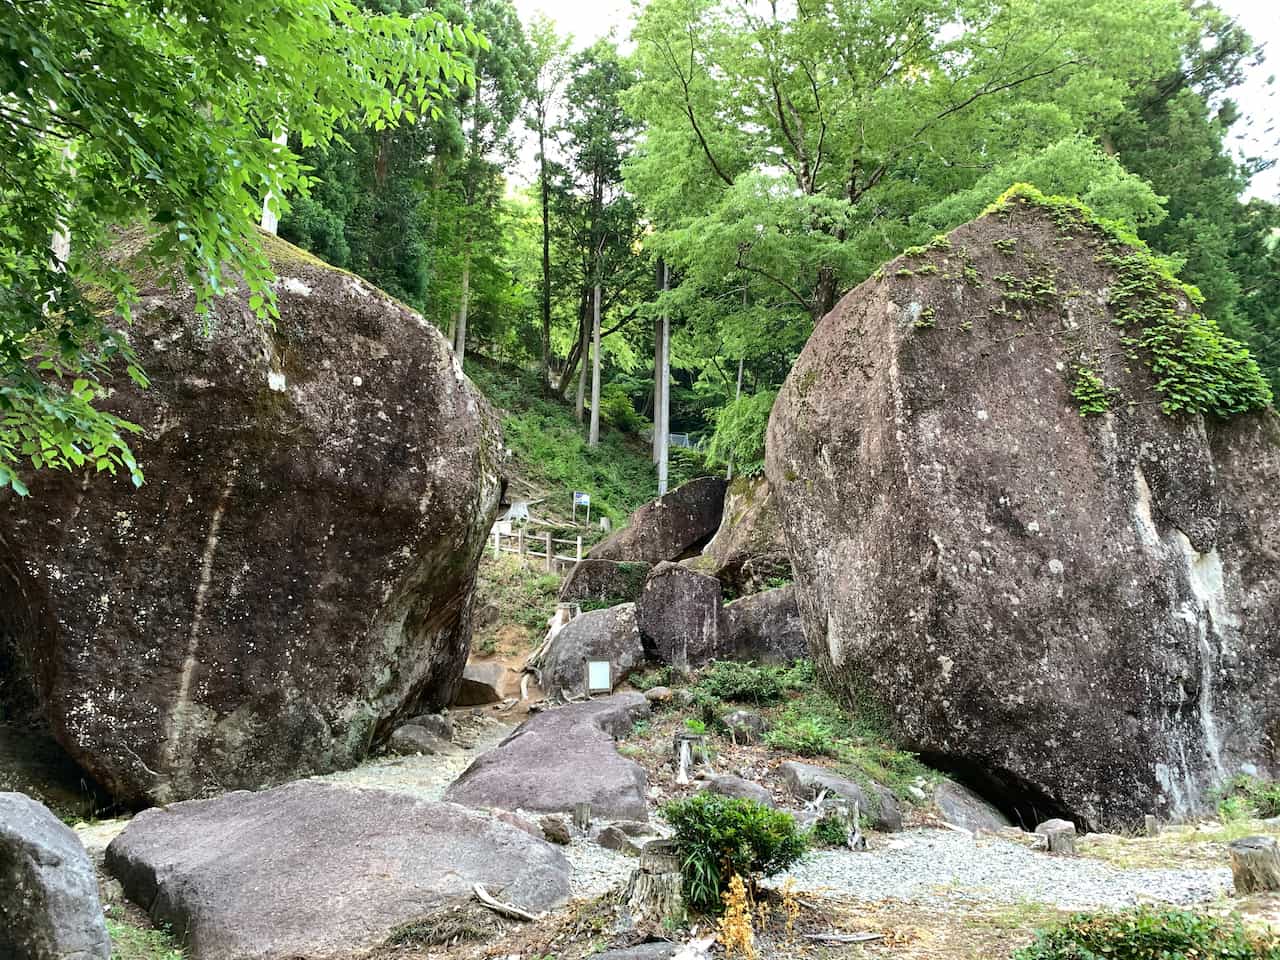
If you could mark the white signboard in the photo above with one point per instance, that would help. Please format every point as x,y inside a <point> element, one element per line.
<point>599,676</point>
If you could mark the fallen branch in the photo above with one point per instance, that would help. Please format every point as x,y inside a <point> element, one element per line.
<point>843,937</point>
<point>506,909</point>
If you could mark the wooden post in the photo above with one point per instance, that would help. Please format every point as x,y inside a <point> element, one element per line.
<point>582,816</point>
<point>551,554</point>
<point>1151,825</point>
<point>1255,864</point>
<point>579,556</point>
<point>497,543</point>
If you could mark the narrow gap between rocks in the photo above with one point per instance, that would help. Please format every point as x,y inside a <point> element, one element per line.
<point>1017,798</point>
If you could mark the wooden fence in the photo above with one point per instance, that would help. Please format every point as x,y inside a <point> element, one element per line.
<point>535,547</point>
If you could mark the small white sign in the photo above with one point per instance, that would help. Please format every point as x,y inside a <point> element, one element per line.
<point>599,676</point>
<point>581,499</point>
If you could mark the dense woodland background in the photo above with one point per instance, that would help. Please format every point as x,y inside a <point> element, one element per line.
<point>774,163</point>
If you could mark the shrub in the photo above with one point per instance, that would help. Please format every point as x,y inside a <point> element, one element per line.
<point>807,736</point>
<point>661,677</point>
<point>830,831</point>
<point>718,836</point>
<point>1244,796</point>
<point>744,682</point>
<point>1148,933</point>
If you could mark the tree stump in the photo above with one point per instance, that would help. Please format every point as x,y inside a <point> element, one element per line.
<point>1255,864</point>
<point>1059,837</point>
<point>654,890</point>
<point>582,816</point>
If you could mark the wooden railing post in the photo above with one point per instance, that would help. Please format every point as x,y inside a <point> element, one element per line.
<point>520,543</point>
<point>497,543</point>
<point>579,556</point>
<point>551,554</point>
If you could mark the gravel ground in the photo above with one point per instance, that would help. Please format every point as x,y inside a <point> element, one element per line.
<point>940,864</point>
<point>595,869</point>
<point>426,777</point>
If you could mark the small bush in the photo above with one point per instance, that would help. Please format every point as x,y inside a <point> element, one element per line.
<point>806,736</point>
<point>719,836</point>
<point>1148,934</point>
<point>661,677</point>
<point>830,831</point>
<point>744,682</point>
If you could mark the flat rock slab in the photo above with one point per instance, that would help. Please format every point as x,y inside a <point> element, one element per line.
<point>49,908</point>
<point>315,870</point>
<point>561,758</point>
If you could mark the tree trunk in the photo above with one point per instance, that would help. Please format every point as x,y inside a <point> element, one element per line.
<point>546,255</point>
<point>593,437</point>
<point>1255,865</point>
<point>824,294</point>
<point>460,340</point>
<point>578,404</point>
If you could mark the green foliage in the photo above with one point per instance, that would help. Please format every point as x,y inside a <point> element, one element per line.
<point>1244,796</point>
<point>168,121</point>
<point>1149,933</point>
<point>744,682</point>
<point>130,942</point>
<point>718,836</point>
<point>1089,392</point>
<point>551,451</point>
<point>806,736</point>
<point>647,680</point>
<point>739,433</point>
<point>695,725</point>
<point>829,831</point>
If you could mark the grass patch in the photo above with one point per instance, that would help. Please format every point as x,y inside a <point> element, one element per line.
<point>132,942</point>
<point>1187,846</point>
<point>1150,933</point>
<point>525,595</point>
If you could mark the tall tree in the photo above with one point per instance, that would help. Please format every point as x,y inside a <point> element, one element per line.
<point>168,110</point>
<point>549,51</point>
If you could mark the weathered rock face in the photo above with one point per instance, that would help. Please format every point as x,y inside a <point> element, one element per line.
<point>877,803</point>
<point>297,570</point>
<point>962,807</point>
<point>749,550</point>
<point>560,758</point>
<point>482,682</point>
<point>679,616</point>
<point>1079,614</point>
<point>611,581</point>
<point>317,870</point>
<point>675,525</point>
<point>608,634</point>
<point>764,627</point>
<point>49,908</point>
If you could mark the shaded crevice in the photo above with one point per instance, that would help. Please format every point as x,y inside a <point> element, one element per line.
<point>1023,802</point>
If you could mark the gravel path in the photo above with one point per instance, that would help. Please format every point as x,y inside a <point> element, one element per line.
<point>940,864</point>
<point>424,777</point>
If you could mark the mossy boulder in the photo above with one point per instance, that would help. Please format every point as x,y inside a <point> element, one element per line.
<point>1070,600</point>
<point>295,574</point>
<point>749,551</point>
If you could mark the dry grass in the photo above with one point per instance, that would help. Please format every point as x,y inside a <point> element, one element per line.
<point>1184,846</point>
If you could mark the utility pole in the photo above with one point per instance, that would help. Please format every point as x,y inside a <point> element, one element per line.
<point>664,417</point>
<point>593,436</point>
<point>270,221</point>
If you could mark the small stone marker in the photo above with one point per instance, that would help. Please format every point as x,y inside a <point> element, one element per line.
<point>582,816</point>
<point>1255,864</point>
<point>1060,837</point>
<point>1152,826</point>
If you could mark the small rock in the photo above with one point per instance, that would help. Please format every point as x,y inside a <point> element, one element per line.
<point>658,694</point>
<point>613,838</point>
<point>806,781</point>
<point>746,726</point>
<point>49,906</point>
<point>411,738</point>
<point>743,789</point>
<point>962,807</point>
<point>1059,836</point>
<point>634,828</point>
<point>556,828</point>
<point>440,724</point>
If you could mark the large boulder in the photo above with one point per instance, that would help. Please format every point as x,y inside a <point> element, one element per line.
<point>604,581</point>
<point>49,908</point>
<point>482,682</point>
<point>678,615</point>
<point>562,757</point>
<point>765,627</point>
<point>1081,614</point>
<point>297,571</point>
<point>317,870</point>
<point>750,549</point>
<point>608,634</point>
<point>677,524</point>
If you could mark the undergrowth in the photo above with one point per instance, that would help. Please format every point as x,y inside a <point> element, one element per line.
<point>524,593</point>
<point>130,942</point>
<point>1149,933</point>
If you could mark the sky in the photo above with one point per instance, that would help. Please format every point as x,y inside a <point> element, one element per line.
<point>588,20</point>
